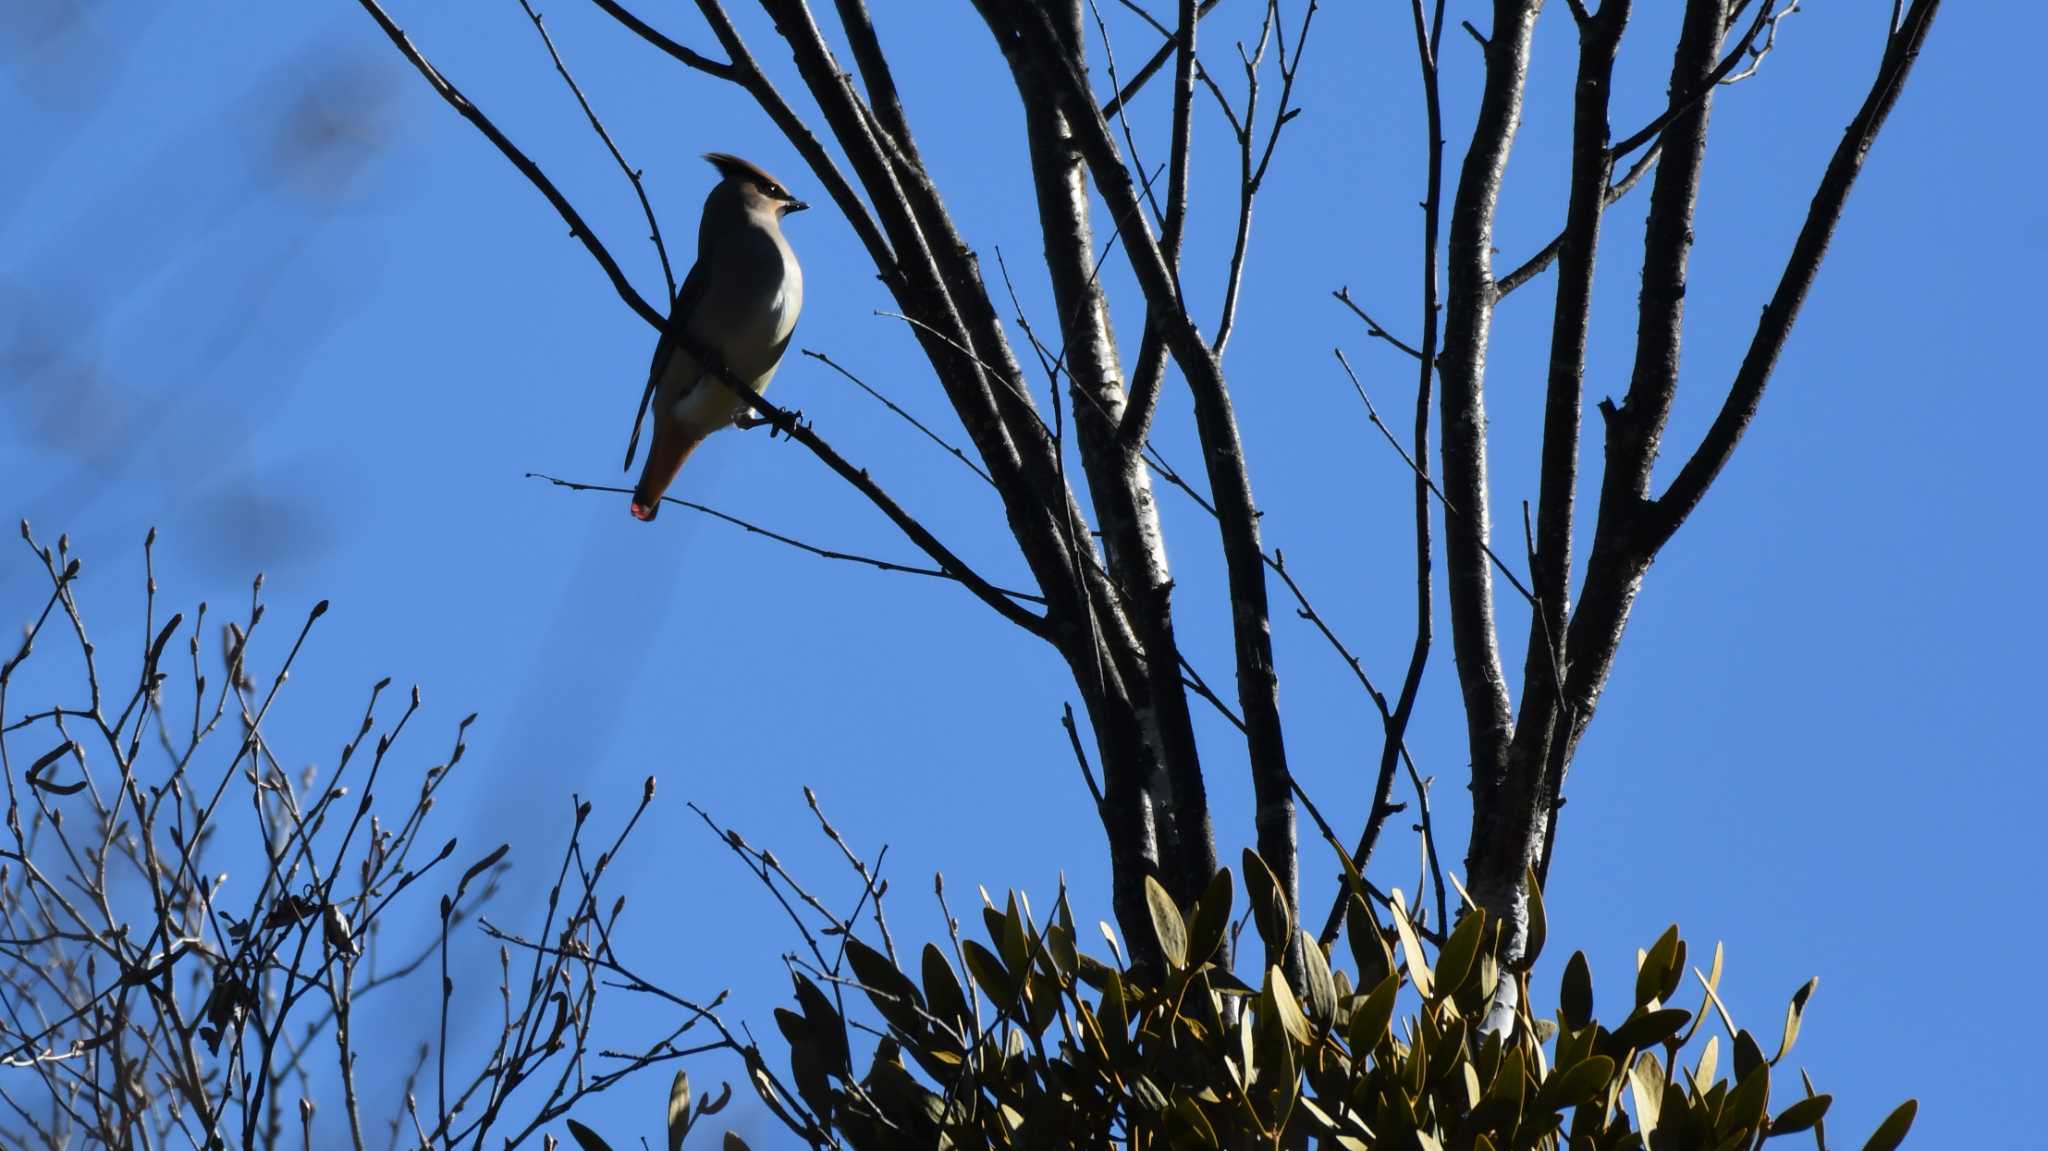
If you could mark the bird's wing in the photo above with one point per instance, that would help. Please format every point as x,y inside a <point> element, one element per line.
<point>678,317</point>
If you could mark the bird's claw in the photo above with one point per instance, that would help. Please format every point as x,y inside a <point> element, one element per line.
<point>747,421</point>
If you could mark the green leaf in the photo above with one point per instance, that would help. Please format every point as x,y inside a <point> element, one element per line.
<point>1411,948</point>
<point>1801,1115</point>
<point>586,1138</point>
<point>1579,1084</point>
<point>1368,944</point>
<point>1211,921</point>
<point>1112,1010</point>
<point>892,992</point>
<point>1575,994</point>
<point>1749,1101</point>
<point>1649,1028</point>
<point>1747,1055</point>
<point>1892,1131</point>
<point>1370,1019</point>
<point>1650,977</point>
<point>1317,981</point>
<point>1454,962</point>
<point>1539,924</point>
<point>1015,939</point>
<point>1167,926</point>
<point>678,1110</point>
<point>1279,998</point>
<point>1510,1084</point>
<point>988,971</point>
<point>1703,1071</point>
<point>1270,912</point>
<point>826,1027</point>
<point>942,989</point>
<point>1189,1113</point>
<point>1793,1012</point>
<point>1646,1087</point>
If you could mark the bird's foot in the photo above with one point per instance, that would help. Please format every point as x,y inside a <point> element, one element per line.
<point>748,420</point>
<point>646,512</point>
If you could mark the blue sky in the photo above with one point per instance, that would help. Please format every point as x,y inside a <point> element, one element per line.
<point>259,288</point>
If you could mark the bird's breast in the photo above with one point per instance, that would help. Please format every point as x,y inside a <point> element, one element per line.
<point>748,317</point>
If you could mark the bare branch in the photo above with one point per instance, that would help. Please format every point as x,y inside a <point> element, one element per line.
<point>1258,685</point>
<point>1462,369</point>
<point>1150,67</point>
<point>1903,48</point>
<point>632,174</point>
<point>1372,326</point>
<point>577,227</point>
<point>813,549</point>
<point>913,421</point>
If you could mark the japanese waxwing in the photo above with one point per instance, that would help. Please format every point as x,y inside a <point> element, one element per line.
<point>736,309</point>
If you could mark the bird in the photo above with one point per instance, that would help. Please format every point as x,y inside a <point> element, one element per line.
<point>734,314</point>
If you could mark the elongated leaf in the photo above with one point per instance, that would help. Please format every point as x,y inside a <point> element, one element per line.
<point>1794,1011</point>
<point>678,1110</point>
<point>1647,1089</point>
<point>1167,926</point>
<point>892,992</point>
<point>1270,912</point>
<point>988,971</point>
<point>1578,1084</point>
<point>1703,1071</point>
<point>1280,998</point>
<point>1368,943</point>
<point>1211,921</point>
<point>1575,994</point>
<point>1747,1055</point>
<point>1649,1028</point>
<point>1454,962</point>
<point>1749,1101</point>
<point>1411,948</point>
<point>1190,1117</point>
<point>586,1138</point>
<point>1801,1115</point>
<point>826,1028</point>
<point>1369,1020</point>
<point>942,990</point>
<point>1892,1131</point>
<point>1317,982</point>
<point>1656,965</point>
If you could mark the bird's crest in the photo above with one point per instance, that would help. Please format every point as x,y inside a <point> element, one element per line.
<point>732,167</point>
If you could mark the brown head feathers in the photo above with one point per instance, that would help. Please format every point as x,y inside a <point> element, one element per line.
<point>733,168</point>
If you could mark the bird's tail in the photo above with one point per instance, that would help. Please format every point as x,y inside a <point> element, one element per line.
<point>665,458</point>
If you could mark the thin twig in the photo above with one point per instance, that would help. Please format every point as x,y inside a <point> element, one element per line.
<point>632,174</point>
<point>778,537</point>
<point>913,421</point>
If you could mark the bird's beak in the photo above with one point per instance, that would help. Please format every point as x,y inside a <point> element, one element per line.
<point>789,206</point>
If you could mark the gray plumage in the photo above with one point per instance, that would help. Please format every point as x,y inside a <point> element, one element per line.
<point>736,310</point>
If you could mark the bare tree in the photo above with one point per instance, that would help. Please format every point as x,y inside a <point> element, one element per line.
<point>1108,610</point>
<point>146,1001</point>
